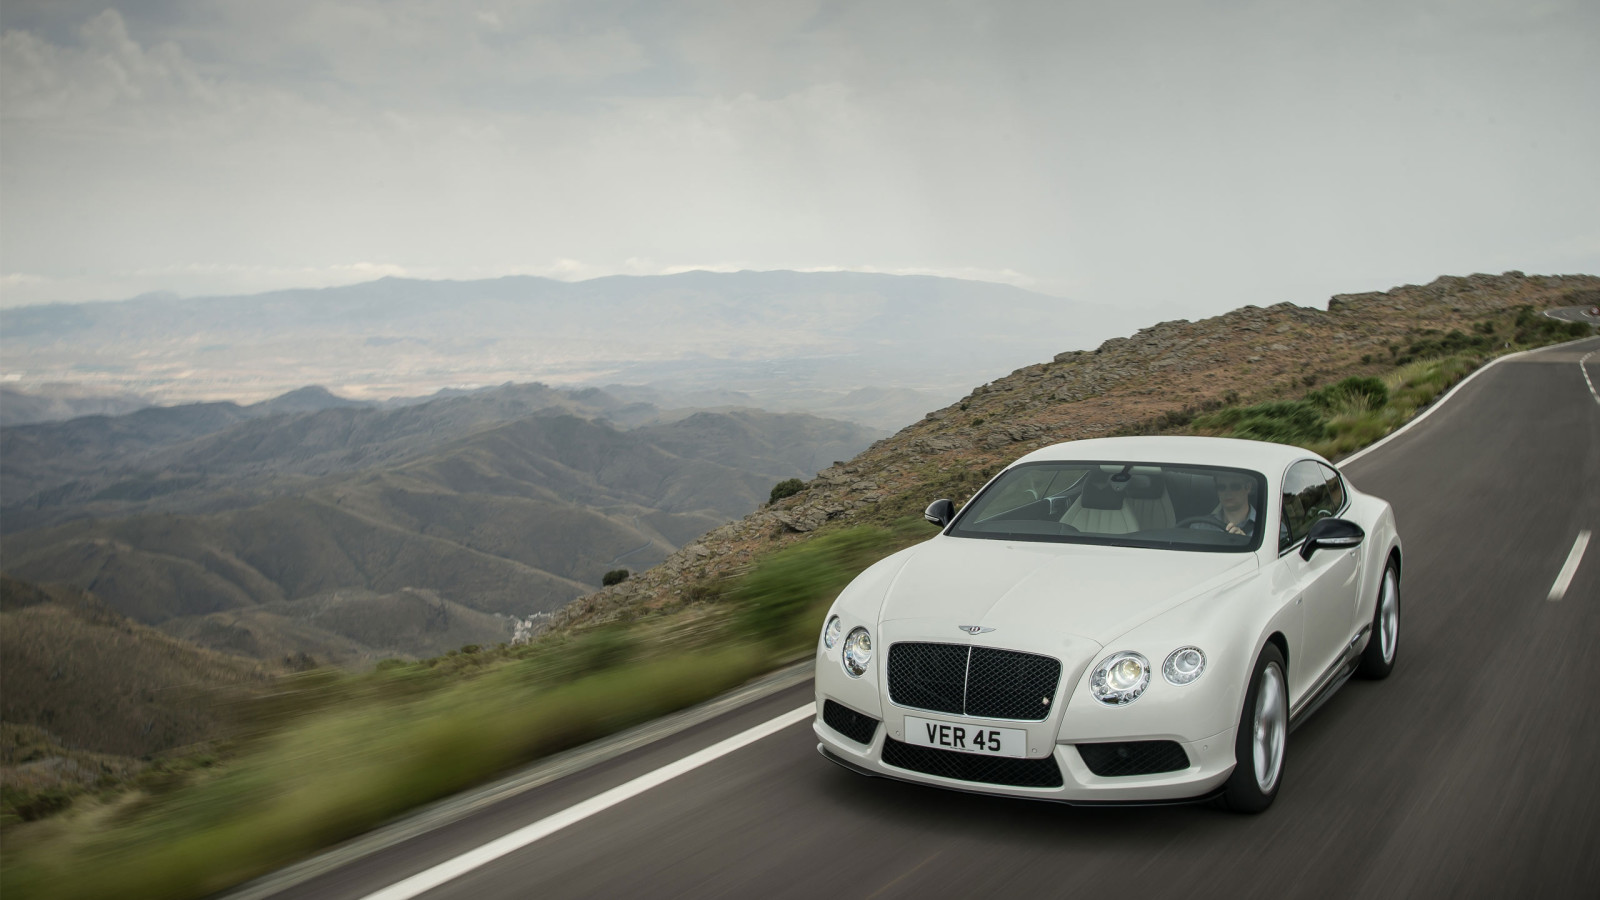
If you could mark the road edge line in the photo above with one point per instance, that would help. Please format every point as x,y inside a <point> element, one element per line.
<point>1447,395</point>
<point>1569,569</point>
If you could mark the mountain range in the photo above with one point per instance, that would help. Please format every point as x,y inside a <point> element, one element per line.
<point>310,525</point>
<point>783,341</point>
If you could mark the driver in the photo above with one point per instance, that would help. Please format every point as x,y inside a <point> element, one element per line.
<point>1234,507</point>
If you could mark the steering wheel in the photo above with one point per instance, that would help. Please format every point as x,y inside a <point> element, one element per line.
<point>1212,523</point>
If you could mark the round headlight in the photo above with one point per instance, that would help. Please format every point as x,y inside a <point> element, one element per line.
<point>830,632</point>
<point>1184,665</point>
<point>1120,678</point>
<point>857,652</point>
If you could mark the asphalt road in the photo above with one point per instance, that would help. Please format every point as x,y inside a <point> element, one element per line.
<point>1574,314</point>
<point>1473,771</point>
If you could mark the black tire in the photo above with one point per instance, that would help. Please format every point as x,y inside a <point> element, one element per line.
<point>1245,790</point>
<point>1377,661</point>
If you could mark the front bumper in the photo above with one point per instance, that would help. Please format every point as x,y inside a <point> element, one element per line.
<point>1211,760</point>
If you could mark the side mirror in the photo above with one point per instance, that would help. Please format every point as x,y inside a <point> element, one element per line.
<point>1330,534</point>
<point>940,512</point>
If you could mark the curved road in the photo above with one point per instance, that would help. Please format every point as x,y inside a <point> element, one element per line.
<point>1474,771</point>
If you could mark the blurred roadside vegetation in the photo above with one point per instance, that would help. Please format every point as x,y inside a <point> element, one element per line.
<point>328,755</point>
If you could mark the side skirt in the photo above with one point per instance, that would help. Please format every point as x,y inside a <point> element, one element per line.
<point>1331,680</point>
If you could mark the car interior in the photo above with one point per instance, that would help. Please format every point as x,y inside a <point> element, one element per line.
<point>1150,504</point>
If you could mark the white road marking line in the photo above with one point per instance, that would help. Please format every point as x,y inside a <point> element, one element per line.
<point>1583,367</point>
<point>1570,568</point>
<point>522,837</point>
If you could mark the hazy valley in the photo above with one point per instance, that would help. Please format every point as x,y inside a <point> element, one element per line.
<point>875,349</point>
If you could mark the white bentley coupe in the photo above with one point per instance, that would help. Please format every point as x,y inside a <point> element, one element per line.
<point>1120,620</point>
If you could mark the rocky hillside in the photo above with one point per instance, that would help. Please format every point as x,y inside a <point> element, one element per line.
<point>1160,376</point>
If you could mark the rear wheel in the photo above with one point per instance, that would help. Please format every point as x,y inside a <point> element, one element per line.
<point>1260,746</point>
<point>1378,659</point>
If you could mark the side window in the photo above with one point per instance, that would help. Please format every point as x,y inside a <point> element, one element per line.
<point>1335,489</point>
<point>1305,500</point>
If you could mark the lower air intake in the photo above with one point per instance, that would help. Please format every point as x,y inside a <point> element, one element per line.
<point>1133,758</point>
<point>853,725</point>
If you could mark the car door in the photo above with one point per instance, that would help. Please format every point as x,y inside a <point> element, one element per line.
<point>1324,585</point>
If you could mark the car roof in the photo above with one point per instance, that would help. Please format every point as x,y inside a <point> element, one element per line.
<point>1204,451</point>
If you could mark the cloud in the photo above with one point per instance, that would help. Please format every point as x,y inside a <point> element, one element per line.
<point>1143,153</point>
<point>106,71</point>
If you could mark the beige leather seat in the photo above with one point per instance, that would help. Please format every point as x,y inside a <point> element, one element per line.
<point>1100,509</point>
<point>1149,501</point>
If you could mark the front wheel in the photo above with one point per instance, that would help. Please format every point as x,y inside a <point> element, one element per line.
<point>1377,661</point>
<point>1263,737</point>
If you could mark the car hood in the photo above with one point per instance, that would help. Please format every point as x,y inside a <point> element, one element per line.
<point>1093,592</point>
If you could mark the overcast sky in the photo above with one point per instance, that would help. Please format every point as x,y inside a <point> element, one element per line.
<point>1183,157</point>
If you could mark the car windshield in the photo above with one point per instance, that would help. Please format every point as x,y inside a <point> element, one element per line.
<point>1160,506</point>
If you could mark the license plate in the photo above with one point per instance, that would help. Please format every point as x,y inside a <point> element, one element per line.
<point>966,737</point>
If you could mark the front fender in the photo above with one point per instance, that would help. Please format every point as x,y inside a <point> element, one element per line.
<point>1383,540</point>
<point>858,605</point>
<point>1230,626</point>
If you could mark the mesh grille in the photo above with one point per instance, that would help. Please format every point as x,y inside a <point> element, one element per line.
<point>928,676</point>
<point>848,722</point>
<point>1002,770</point>
<point>973,681</point>
<point>1133,758</point>
<point>1005,684</point>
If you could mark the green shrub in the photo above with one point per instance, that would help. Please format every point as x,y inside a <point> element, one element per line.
<point>1354,394</point>
<point>1457,341</point>
<point>615,576</point>
<point>1280,421</point>
<point>786,488</point>
<point>1536,329</point>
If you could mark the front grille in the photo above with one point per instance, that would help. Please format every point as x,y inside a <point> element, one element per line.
<point>929,676</point>
<point>853,725</point>
<point>1001,770</point>
<point>1133,758</point>
<point>973,681</point>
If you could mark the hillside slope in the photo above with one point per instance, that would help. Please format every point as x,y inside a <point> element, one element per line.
<point>101,683</point>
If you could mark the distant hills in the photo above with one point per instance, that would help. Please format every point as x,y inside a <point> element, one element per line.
<point>785,341</point>
<point>309,524</point>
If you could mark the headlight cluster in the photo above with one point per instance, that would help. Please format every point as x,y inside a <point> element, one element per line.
<point>1184,665</point>
<point>830,632</point>
<point>1122,677</point>
<point>857,652</point>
